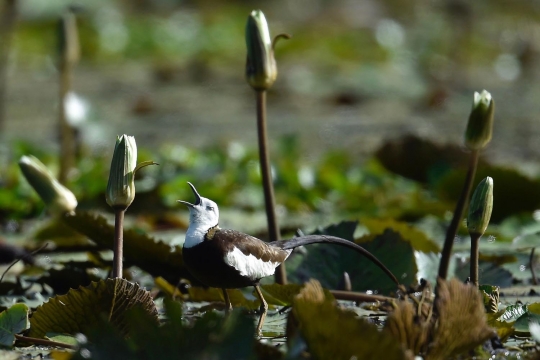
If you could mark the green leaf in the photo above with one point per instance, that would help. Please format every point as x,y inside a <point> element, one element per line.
<point>283,295</point>
<point>274,294</point>
<point>216,295</point>
<point>13,321</point>
<point>521,325</point>
<point>513,312</point>
<point>62,338</point>
<point>417,238</point>
<point>211,336</point>
<point>154,257</point>
<point>420,159</point>
<point>327,263</point>
<point>504,329</point>
<point>515,193</point>
<point>531,315</point>
<point>80,309</point>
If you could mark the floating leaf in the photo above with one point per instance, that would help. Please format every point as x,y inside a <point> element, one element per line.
<point>327,263</point>
<point>504,329</point>
<point>80,309</point>
<point>13,321</point>
<point>61,234</point>
<point>210,337</point>
<point>417,238</point>
<point>420,159</point>
<point>62,338</point>
<point>212,294</point>
<point>490,273</point>
<point>283,295</point>
<point>513,312</point>
<point>462,322</point>
<point>154,257</point>
<point>531,315</point>
<point>333,333</point>
<point>274,294</point>
<point>513,194</point>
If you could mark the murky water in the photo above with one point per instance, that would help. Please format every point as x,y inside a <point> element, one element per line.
<point>128,99</point>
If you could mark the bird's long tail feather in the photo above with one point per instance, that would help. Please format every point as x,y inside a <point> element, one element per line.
<point>318,239</point>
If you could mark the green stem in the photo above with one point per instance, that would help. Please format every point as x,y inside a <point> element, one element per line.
<point>264,159</point>
<point>118,242</point>
<point>531,265</point>
<point>458,216</point>
<point>359,297</point>
<point>475,242</point>
<point>67,141</point>
<point>44,342</point>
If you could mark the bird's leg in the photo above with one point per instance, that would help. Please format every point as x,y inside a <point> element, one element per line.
<point>264,310</point>
<point>228,305</point>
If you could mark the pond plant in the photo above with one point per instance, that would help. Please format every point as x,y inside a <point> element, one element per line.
<point>92,315</point>
<point>261,72</point>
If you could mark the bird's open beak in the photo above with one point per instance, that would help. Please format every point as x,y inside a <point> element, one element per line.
<point>197,197</point>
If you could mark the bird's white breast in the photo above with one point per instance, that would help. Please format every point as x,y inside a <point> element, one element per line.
<point>249,265</point>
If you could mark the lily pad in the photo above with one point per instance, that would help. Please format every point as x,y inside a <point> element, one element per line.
<point>418,239</point>
<point>514,193</point>
<point>80,309</point>
<point>333,333</point>
<point>155,257</point>
<point>420,159</point>
<point>62,338</point>
<point>13,321</point>
<point>210,337</point>
<point>513,312</point>
<point>274,294</point>
<point>327,263</point>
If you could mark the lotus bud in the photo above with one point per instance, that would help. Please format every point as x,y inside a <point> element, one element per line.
<point>480,207</point>
<point>480,125</point>
<point>56,196</point>
<point>121,185</point>
<point>261,68</point>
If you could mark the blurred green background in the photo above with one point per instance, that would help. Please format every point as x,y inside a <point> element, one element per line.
<point>354,74</point>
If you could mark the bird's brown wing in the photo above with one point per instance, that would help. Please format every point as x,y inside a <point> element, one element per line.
<point>250,256</point>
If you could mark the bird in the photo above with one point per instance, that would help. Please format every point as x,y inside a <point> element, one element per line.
<point>229,259</point>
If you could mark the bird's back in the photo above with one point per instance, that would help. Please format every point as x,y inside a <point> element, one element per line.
<point>231,259</point>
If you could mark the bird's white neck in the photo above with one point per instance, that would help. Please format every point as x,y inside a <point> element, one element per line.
<point>196,234</point>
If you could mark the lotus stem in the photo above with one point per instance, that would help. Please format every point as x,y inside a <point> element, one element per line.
<point>118,242</point>
<point>458,215</point>
<point>67,144</point>
<point>44,342</point>
<point>264,158</point>
<point>531,265</point>
<point>475,241</point>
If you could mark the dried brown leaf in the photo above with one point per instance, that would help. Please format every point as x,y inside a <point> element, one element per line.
<point>462,323</point>
<point>410,329</point>
<point>333,333</point>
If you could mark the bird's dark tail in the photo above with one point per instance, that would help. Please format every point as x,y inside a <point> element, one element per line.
<point>318,239</point>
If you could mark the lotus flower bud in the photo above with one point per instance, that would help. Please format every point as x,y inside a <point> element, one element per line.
<point>56,196</point>
<point>480,125</point>
<point>261,69</point>
<point>121,185</point>
<point>480,207</point>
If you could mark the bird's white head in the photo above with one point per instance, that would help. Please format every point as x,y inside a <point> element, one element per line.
<point>203,215</point>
